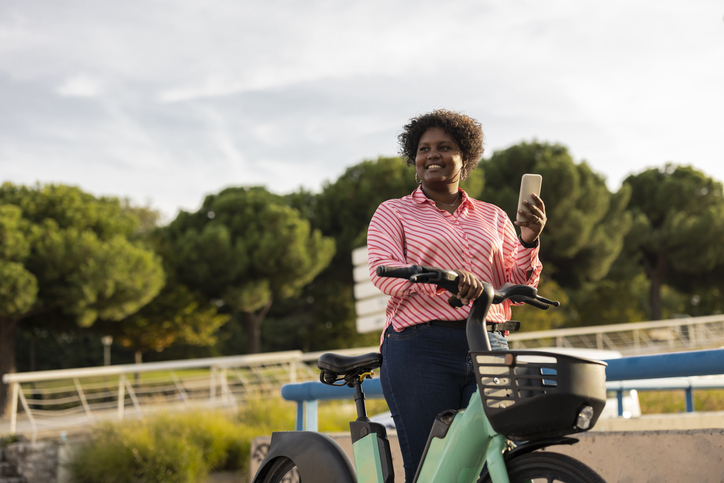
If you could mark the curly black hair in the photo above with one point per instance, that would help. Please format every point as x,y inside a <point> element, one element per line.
<point>468,134</point>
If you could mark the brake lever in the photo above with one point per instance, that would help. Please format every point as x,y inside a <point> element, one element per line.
<point>455,302</point>
<point>554,303</point>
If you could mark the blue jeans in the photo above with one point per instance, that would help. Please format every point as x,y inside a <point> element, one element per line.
<point>425,370</point>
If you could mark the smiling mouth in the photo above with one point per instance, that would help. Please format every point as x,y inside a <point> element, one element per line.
<point>434,166</point>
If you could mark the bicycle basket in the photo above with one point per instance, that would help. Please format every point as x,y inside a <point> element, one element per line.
<point>532,394</point>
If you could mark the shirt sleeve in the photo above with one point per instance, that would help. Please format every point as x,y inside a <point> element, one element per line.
<point>386,246</point>
<point>519,260</point>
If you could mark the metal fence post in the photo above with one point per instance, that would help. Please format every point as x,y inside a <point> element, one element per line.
<point>121,396</point>
<point>212,386</point>
<point>689,400</point>
<point>14,409</point>
<point>300,416</point>
<point>312,407</point>
<point>619,399</point>
<point>293,371</point>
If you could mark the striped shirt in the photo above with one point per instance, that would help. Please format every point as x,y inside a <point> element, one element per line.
<point>479,238</point>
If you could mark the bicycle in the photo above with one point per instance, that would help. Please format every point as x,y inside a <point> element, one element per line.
<point>525,401</point>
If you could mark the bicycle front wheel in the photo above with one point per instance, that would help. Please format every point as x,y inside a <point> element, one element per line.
<point>548,468</point>
<point>282,471</point>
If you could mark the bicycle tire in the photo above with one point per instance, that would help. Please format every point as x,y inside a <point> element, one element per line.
<point>546,467</point>
<point>283,470</point>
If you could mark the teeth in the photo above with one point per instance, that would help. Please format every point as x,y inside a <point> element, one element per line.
<point>434,166</point>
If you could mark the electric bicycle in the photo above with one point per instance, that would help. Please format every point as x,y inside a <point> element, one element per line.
<point>525,401</point>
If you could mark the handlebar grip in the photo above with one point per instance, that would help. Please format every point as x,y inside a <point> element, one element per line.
<point>398,272</point>
<point>538,304</point>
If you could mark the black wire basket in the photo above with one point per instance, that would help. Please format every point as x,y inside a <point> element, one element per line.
<point>533,394</point>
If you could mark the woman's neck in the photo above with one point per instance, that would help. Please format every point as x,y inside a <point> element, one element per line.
<point>446,197</point>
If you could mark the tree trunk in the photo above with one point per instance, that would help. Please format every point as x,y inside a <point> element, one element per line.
<point>252,324</point>
<point>655,273</point>
<point>138,356</point>
<point>8,328</point>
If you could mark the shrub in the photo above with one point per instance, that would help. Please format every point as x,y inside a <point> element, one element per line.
<point>177,447</point>
<point>136,451</point>
<point>185,447</point>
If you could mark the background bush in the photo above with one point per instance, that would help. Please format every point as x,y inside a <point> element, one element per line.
<point>177,447</point>
<point>185,447</point>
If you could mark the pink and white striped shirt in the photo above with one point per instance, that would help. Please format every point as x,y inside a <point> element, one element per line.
<point>479,237</point>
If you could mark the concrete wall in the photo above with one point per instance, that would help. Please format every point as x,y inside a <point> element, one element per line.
<point>618,456</point>
<point>652,456</point>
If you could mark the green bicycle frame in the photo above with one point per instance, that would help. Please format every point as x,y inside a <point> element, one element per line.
<point>458,456</point>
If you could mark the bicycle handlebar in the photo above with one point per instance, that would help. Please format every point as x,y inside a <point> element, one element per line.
<point>448,280</point>
<point>478,341</point>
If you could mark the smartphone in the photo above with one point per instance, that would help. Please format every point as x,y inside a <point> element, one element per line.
<point>530,183</point>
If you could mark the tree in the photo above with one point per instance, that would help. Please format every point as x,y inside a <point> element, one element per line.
<point>678,229</point>
<point>66,259</point>
<point>586,222</point>
<point>176,315</point>
<point>244,248</point>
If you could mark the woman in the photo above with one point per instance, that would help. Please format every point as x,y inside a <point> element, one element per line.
<point>426,368</point>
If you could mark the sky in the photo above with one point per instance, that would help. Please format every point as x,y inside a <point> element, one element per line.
<point>164,102</point>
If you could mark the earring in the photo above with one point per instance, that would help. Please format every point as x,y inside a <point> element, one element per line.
<point>417,178</point>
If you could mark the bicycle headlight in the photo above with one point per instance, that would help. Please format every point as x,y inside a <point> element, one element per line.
<point>585,415</point>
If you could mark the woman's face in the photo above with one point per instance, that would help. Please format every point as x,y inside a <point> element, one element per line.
<point>438,161</point>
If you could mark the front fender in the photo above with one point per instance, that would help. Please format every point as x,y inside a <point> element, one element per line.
<point>529,447</point>
<point>318,457</point>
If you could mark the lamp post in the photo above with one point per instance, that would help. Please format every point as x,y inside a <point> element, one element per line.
<point>695,303</point>
<point>107,340</point>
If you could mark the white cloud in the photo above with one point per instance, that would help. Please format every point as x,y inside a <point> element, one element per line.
<point>80,86</point>
<point>176,100</point>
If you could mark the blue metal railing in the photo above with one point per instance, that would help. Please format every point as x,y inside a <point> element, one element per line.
<point>629,369</point>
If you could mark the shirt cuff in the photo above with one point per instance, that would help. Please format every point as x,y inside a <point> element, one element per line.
<point>528,245</point>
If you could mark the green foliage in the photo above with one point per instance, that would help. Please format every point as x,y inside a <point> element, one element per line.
<point>244,248</point>
<point>142,452</point>
<point>671,402</point>
<point>176,315</point>
<point>678,228</point>
<point>18,287</point>
<point>533,319</point>
<point>67,259</point>
<point>610,302</point>
<point>180,447</point>
<point>245,244</point>
<point>76,249</point>
<point>586,222</point>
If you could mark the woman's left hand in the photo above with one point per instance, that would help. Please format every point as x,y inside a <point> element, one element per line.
<point>530,230</point>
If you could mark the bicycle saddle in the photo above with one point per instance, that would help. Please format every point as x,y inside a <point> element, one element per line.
<point>340,365</point>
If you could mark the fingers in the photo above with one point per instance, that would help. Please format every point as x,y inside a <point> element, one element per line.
<point>536,215</point>
<point>538,209</point>
<point>531,229</point>
<point>539,202</point>
<point>469,286</point>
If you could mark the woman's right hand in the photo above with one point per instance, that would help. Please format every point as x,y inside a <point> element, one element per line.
<point>469,286</point>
